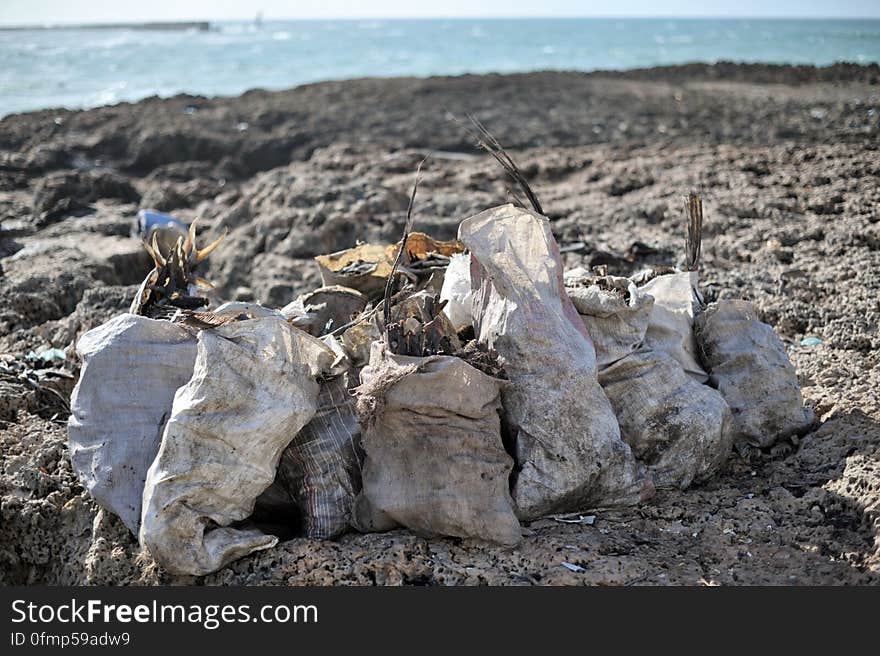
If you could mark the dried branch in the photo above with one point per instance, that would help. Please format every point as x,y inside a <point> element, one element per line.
<point>491,145</point>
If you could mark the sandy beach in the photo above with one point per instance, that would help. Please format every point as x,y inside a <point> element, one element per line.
<point>785,158</point>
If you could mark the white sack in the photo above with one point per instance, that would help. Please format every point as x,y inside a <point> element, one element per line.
<point>253,388</point>
<point>751,369</point>
<point>671,326</point>
<point>457,291</point>
<point>568,447</point>
<point>131,368</point>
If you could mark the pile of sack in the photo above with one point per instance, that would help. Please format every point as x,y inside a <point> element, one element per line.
<point>452,388</point>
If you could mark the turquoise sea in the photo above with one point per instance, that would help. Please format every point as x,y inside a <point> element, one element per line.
<point>89,67</point>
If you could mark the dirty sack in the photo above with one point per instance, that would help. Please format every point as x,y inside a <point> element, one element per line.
<point>435,462</point>
<point>325,309</point>
<point>131,368</point>
<point>677,301</point>
<point>252,389</point>
<point>615,312</point>
<point>750,368</point>
<point>678,427</point>
<point>675,425</point>
<point>320,469</point>
<point>567,444</point>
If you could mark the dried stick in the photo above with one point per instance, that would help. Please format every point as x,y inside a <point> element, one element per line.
<point>693,209</point>
<point>407,228</point>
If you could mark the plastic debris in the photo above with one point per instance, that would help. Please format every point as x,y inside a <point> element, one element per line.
<point>165,228</point>
<point>575,518</point>
<point>457,293</point>
<point>47,356</point>
<point>811,341</point>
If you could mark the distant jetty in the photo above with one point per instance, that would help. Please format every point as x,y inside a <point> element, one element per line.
<point>200,26</point>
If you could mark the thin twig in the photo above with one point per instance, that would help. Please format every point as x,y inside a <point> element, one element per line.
<point>366,314</point>
<point>407,228</point>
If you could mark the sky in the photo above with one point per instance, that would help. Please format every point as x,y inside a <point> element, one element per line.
<point>18,12</point>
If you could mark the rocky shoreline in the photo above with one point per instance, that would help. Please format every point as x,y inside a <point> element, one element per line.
<point>786,159</point>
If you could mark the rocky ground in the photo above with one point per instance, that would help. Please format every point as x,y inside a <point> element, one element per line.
<point>787,162</point>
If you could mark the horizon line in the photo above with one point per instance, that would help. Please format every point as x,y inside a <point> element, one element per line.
<point>250,19</point>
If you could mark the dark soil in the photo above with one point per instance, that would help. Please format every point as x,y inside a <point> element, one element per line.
<point>786,160</point>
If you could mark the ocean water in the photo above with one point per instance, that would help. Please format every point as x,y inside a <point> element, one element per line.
<point>87,67</point>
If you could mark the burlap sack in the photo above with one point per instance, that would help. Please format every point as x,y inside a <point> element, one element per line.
<point>675,425</point>
<point>435,462</point>
<point>615,313</point>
